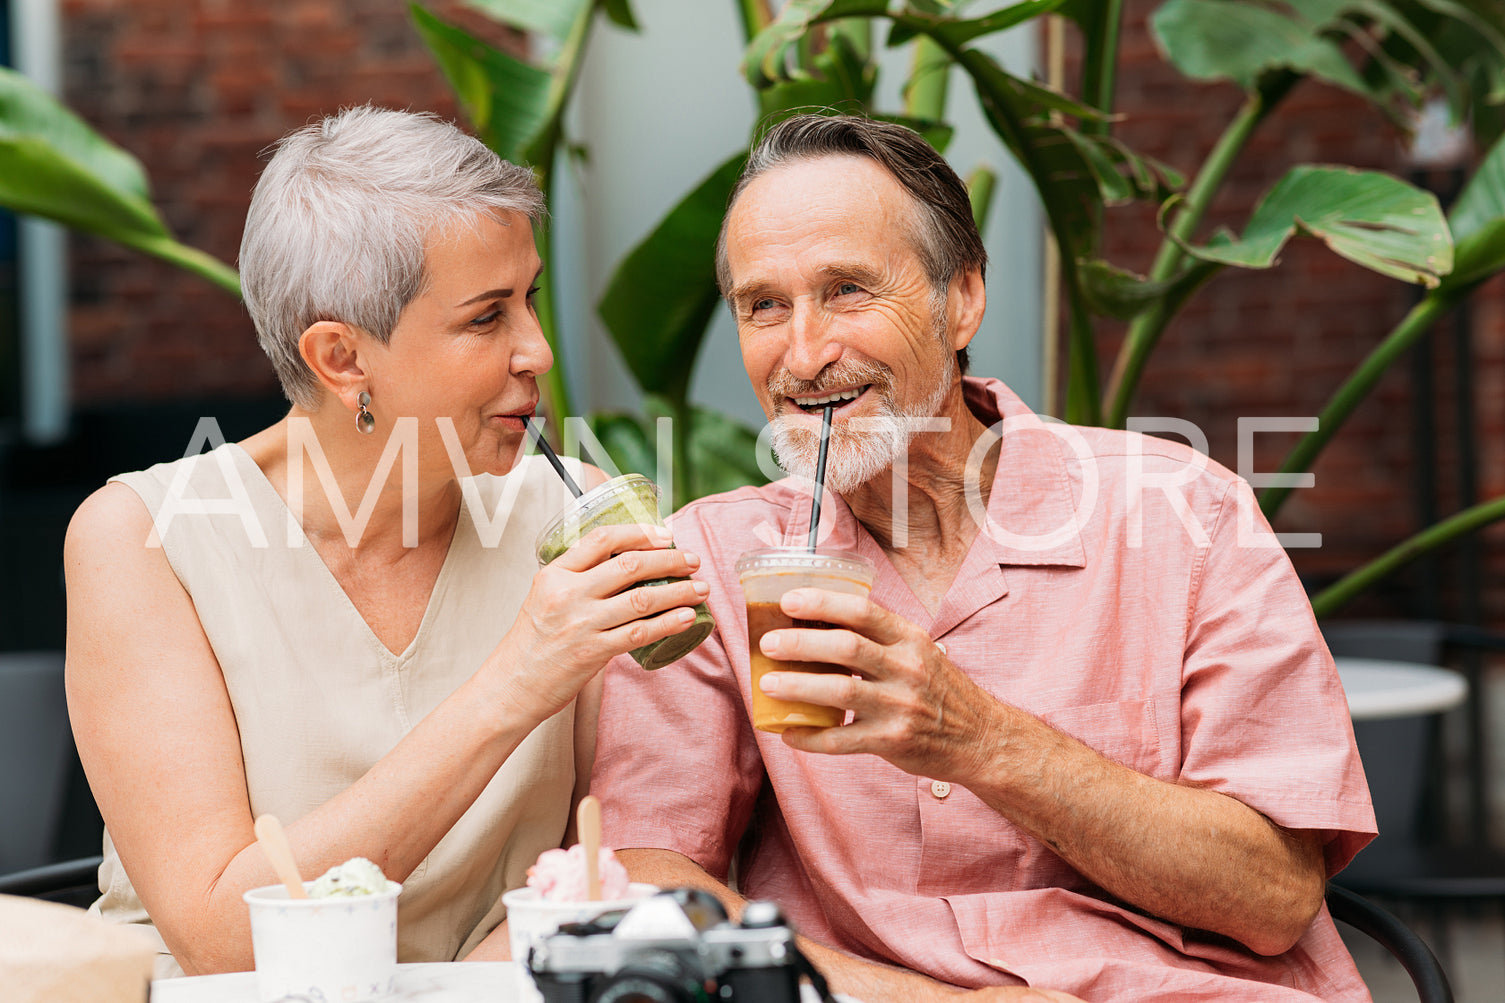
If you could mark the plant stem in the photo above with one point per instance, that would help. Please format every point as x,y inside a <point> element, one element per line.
<point>756,15</point>
<point>1335,596</point>
<point>556,394</point>
<point>1100,63</point>
<point>929,74</point>
<point>1146,329</point>
<point>1353,391</point>
<point>684,419</point>
<point>1081,377</point>
<point>190,259</point>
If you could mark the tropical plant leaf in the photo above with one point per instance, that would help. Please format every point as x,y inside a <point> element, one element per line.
<point>839,77</point>
<point>959,32</point>
<point>723,451</point>
<point>1372,219</point>
<point>1114,292</point>
<point>1238,41</point>
<point>661,297</point>
<point>620,13</point>
<point>506,100</point>
<point>626,441</point>
<point>28,111</point>
<point>1477,220</point>
<point>1482,200</point>
<point>53,165</point>
<point>770,56</point>
<point>554,18</point>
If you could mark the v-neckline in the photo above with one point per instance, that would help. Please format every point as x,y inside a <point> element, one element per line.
<point>305,544</point>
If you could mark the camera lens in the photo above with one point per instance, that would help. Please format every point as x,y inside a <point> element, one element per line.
<point>655,977</point>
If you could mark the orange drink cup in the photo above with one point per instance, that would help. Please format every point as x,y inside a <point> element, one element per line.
<point>766,575</point>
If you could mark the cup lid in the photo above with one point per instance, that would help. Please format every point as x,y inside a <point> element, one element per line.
<point>775,559</point>
<point>636,493</point>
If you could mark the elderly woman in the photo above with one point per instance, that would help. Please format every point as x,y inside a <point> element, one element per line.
<point>403,683</point>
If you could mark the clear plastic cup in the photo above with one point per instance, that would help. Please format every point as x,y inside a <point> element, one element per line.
<point>766,575</point>
<point>335,948</point>
<point>631,498</point>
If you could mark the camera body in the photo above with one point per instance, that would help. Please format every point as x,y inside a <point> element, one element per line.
<point>676,947</point>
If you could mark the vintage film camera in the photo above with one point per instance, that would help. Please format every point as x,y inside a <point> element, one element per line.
<point>676,947</point>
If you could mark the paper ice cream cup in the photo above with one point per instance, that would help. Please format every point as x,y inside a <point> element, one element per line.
<point>531,918</point>
<point>338,948</point>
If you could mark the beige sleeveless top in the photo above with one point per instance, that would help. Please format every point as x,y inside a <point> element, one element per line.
<point>318,699</point>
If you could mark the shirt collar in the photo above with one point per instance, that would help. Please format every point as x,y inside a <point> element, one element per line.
<point>1033,509</point>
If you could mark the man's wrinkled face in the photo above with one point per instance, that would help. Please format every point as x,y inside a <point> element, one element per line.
<point>833,305</point>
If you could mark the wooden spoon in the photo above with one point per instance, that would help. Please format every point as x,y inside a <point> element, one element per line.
<point>588,820</point>
<point>273,842</point>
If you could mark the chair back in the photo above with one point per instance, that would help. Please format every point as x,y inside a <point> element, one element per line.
<point>1394,936</point>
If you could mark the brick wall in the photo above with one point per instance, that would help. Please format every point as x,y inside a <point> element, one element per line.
<point>1278,342</point>
<point>195,89</point>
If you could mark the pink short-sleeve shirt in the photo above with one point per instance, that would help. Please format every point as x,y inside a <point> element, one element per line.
<point>1124,589</point>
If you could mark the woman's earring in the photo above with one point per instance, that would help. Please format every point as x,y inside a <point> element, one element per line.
<point>364,421</point>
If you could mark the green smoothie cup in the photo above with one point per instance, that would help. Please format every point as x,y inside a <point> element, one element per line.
<point>625,500</point>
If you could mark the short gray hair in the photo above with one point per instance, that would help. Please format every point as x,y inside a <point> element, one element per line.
<point>339,219</point>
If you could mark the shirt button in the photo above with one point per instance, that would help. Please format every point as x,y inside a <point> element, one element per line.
<point>940,788</point>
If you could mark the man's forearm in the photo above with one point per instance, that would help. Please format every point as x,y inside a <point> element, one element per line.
<point>1194,857</point>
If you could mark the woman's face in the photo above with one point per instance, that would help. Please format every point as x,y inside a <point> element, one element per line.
<point>468,349</point>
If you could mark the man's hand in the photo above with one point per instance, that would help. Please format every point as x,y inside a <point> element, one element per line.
<point>912,706</point>
<point>1161,846</point>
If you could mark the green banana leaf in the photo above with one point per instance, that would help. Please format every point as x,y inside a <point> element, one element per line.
<point>1240,41</point>
<point>768,57</point>
<point>1477,220</point>
<point>53,165</point>
<point>1115,292</point>
<point>661,296</point>
<point>549,17</point>
<point>506,100</point>
<point>1373,219</point>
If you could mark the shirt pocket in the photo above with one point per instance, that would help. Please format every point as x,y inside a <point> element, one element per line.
<point>1133,733</point>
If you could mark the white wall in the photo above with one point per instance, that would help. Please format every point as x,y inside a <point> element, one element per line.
<point>659,110</point>
<point>44,335</point>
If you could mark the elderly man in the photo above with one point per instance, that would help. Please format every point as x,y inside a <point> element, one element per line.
<point>1106,751</point>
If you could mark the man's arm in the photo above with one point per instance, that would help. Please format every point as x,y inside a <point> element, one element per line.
<point>863,980</point>
<point>1162,847</point>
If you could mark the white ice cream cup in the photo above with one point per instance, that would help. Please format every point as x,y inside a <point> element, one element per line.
<point>531,918</point>
<point>341,948</point>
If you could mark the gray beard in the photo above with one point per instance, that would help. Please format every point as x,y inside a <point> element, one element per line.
<point>857,456</point>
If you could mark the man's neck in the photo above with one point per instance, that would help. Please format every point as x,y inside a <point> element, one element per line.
<point>919,513</point>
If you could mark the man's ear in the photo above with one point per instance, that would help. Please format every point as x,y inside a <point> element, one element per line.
<point>332,350</point>
<point>966,301</point>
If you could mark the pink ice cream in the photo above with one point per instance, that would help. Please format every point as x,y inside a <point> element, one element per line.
<point>559,875</point>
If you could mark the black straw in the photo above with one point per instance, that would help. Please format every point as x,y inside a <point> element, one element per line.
<point>820,474</point>
<point>552,457</point>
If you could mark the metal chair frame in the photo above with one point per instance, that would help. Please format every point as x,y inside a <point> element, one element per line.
<point>1394,936</point>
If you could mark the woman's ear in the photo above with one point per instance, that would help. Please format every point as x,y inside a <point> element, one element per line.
<point>332,350</point>
<point>967,300</point>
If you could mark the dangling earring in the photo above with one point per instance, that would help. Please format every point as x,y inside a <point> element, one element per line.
<point>364,421</point>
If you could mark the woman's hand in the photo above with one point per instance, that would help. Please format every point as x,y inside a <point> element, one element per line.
<point>582,611</point>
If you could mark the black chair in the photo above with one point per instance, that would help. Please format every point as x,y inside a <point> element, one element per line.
<point>1394,936</point>
<point>72,882</point>
<point>1418,859</point>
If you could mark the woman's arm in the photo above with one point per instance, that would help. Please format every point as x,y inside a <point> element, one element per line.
<point>159,741</point>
